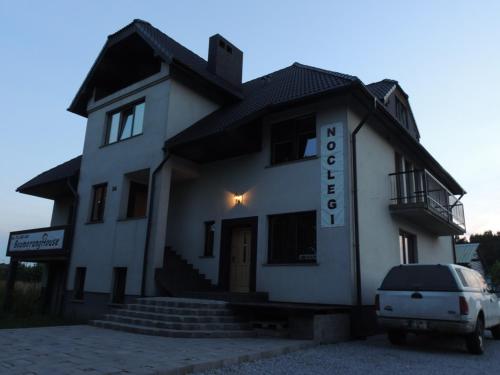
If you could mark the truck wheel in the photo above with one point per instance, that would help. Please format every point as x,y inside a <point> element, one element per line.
<point>495,332</point>
<point>475,340</point>
<point>396,337</point>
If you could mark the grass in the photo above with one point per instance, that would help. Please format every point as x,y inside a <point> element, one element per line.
<point>27,308</point>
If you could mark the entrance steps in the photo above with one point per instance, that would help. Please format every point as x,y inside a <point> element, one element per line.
<point>178,317</point>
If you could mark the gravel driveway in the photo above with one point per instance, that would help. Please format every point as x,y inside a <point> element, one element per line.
<point>421,355</point>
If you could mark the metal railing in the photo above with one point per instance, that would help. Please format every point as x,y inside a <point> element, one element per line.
<point>418,186</point>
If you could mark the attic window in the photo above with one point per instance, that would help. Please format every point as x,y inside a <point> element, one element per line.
<point>222,44</point>
<point>229,49</point>
<point>401,113</point>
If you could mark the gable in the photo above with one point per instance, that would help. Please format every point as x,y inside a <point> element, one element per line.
<point>136,52</point>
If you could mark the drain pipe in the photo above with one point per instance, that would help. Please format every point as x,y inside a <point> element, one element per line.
<point>359,296</point>
<point>76,199</point>
<point>150,218</point>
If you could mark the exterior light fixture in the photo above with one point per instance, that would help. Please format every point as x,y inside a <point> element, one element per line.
<point>238,199</point>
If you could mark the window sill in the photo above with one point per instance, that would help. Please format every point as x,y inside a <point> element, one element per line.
<point>293,264</point>
<point>291,162</point>
<point>94,222</point>
<point>206,257</point>
<point>132,218</point>
<point>120,141</point>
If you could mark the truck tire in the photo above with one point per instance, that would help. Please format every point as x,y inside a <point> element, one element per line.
<point>475,340</point>
<point>495,332</point>
<point>396,337</point>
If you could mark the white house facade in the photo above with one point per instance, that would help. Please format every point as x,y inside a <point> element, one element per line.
<point>302,187</point>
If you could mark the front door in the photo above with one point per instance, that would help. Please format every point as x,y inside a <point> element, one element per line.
<point>241,239</point>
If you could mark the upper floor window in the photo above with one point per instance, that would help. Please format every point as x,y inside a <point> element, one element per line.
<point>137,193</point>
<point>401,113</point>
<point>293,140</point>
<point>125,123</point>
<point>98,202</point>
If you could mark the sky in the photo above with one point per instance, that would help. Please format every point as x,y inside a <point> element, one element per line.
<point>445,55</point>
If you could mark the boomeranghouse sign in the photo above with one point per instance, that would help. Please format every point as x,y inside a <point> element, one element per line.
<point>36,241</point>
<point>332,175</point>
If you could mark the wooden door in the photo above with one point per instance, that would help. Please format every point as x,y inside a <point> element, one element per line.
<point>241,239</point>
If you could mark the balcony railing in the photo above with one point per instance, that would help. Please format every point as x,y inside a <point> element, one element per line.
<point>420,190</point>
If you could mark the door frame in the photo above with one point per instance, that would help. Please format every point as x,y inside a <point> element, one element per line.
<point>227,227</point>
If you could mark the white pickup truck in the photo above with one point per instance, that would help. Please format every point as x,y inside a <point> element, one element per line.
<point>448,299</point>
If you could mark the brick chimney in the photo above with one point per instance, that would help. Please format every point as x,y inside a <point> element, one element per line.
<point>225,60</point>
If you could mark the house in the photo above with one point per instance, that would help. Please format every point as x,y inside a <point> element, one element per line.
<point>468,256</point>
<point>303,186</point>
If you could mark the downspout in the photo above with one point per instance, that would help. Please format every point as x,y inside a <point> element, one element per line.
<point>359,295</point>
<point>76,200</point>
<point>148,228</point>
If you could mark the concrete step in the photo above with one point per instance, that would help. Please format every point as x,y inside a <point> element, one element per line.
<point>133,328</point>
<point>177,318</point>
<point>179,311</point>
<point>182,302</point>
<point>178,326</point>
<point>222,296</point>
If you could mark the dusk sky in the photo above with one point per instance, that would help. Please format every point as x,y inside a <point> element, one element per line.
<point>445,55</point>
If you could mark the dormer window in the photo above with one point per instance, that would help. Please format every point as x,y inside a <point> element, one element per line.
<point>401,113</point>
<point>125,123</point>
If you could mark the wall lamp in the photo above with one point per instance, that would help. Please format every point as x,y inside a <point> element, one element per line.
<point>238,199</point>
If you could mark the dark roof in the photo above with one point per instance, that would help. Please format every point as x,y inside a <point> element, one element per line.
<point>380,89</point>
<point>168,50</point>
<point>36,186</point>
<point>295,82</point>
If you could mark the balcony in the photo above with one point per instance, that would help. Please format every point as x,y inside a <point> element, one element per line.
<point>417,196</point>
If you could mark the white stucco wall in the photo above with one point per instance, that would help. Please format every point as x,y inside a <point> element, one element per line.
<point>267,190</point>
<point>118,242</point>
<point>61,211</point>
<point>186,107</point>
<point>378,229</point>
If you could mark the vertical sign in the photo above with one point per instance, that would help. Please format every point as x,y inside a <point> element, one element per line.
<point>332,175</point>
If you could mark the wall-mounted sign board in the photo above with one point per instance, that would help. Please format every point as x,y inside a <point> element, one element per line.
<point>41,241</point>
<point>332,175</point>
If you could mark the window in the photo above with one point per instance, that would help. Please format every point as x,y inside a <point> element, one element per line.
<point>293,140</point>
<point>432,278</point>
<point>137,199</point>
<point>471,280</point>
<point>98,202</point>
<point>136,202</point>
<point>407,248</point>
<point>119,282</point>
<point>401,113</point>
<point>79,283</point>
<point>292,237</point>
<point>125,123</point>
<point>209,238</point>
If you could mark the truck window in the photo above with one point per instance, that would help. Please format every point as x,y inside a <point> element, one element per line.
<point>425,278</point>
<point>462,278</point>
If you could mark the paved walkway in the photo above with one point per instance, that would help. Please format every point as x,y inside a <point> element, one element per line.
<point>79,350</point>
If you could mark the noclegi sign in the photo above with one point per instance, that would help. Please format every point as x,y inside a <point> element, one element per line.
<point>332,175</point>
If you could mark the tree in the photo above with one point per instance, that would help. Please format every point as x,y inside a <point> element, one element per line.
<point>495,273</point>
<point>489,248</point>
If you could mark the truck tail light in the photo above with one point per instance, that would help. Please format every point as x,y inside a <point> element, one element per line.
<point>377,302</point>
<point>464,306</point>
